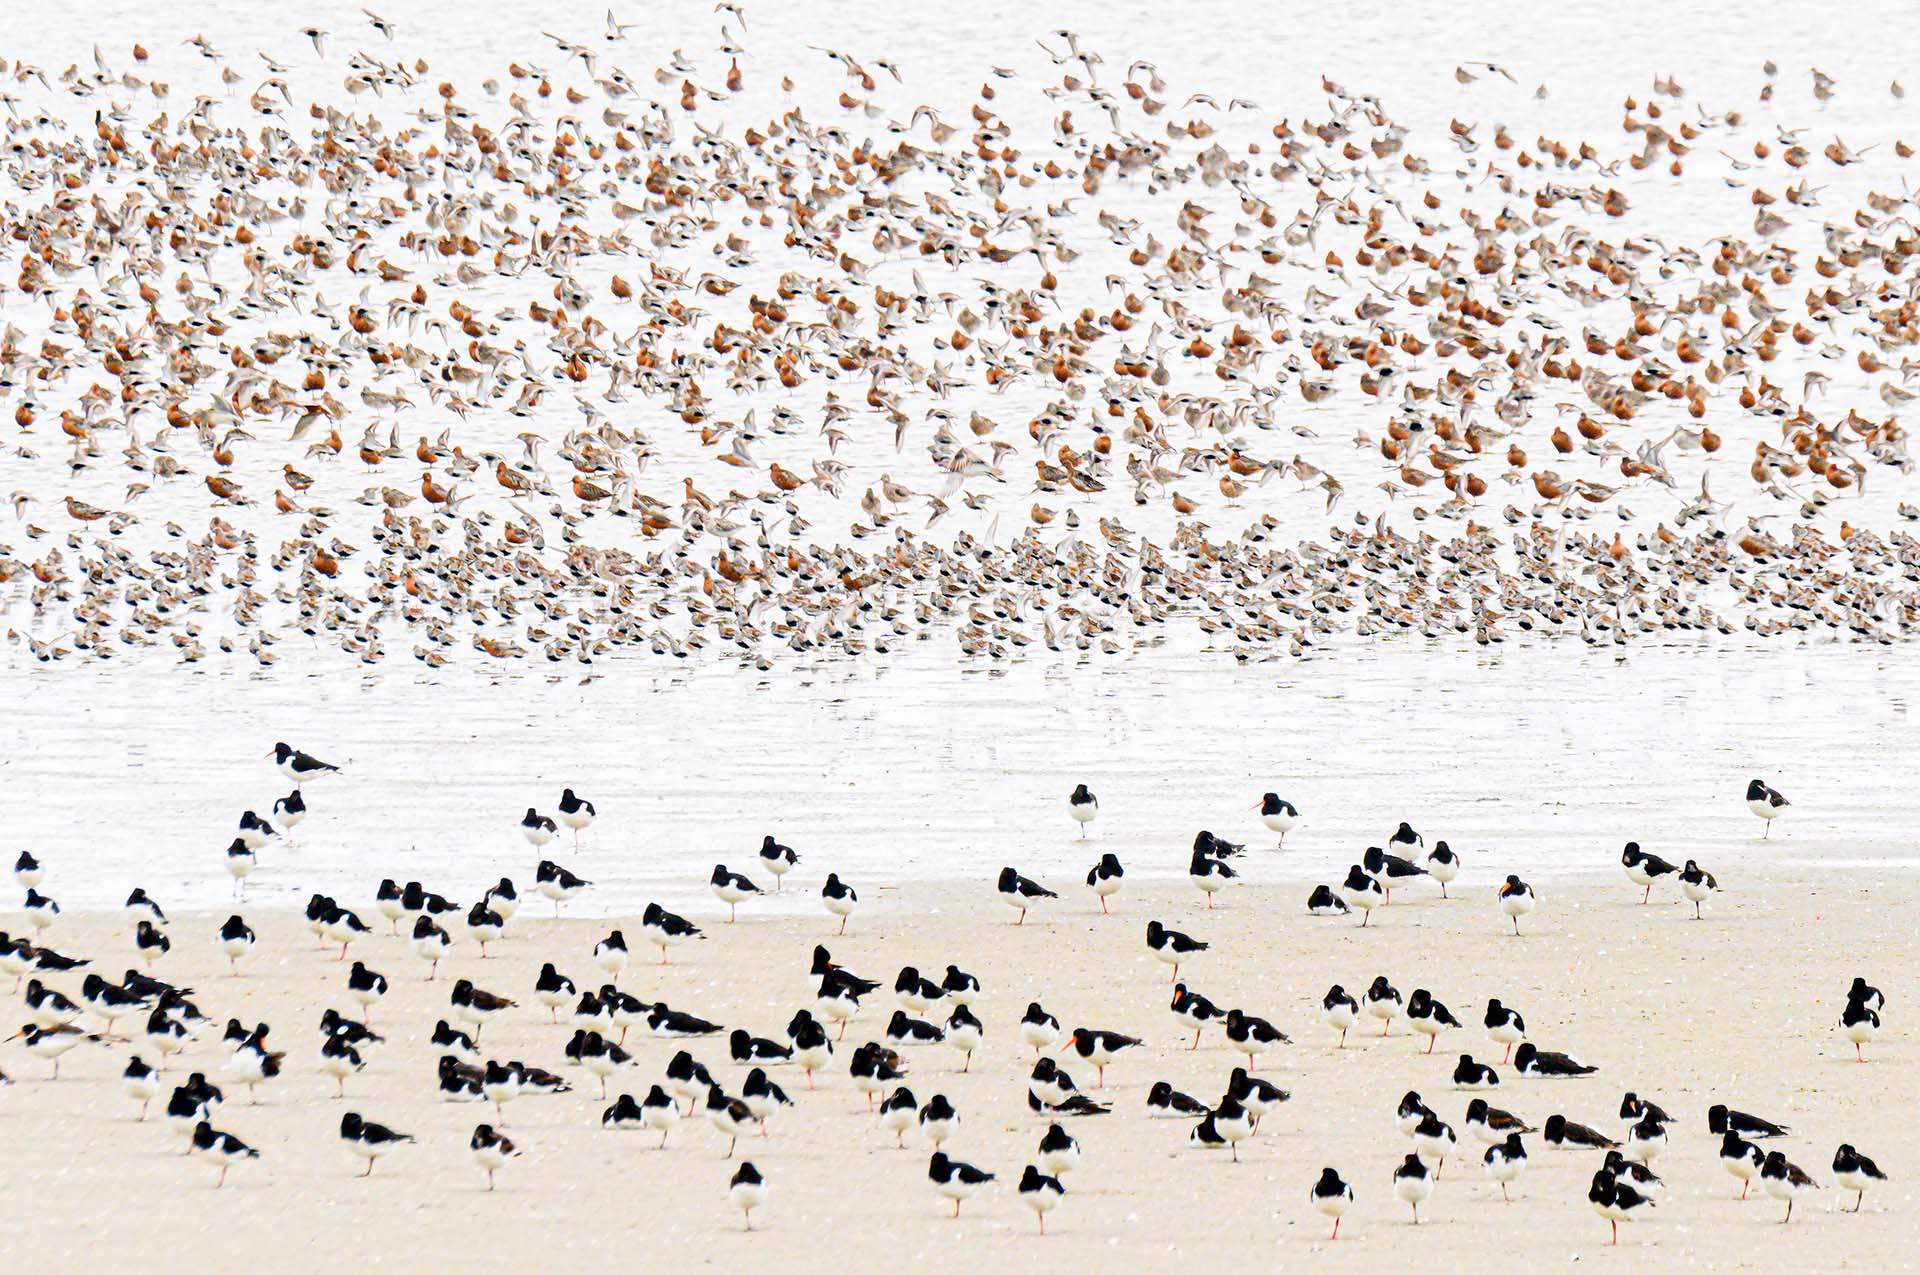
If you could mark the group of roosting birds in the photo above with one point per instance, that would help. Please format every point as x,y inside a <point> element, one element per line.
<point>685,359</point>
<point>927,1012</point>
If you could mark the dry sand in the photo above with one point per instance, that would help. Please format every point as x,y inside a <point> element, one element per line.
<point>1740,1007</point>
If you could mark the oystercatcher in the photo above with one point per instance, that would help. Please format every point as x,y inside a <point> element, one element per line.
<point>299,766</point>
<point>1167,1103</point>
<point>369,1141</point>
<point>558,884</point>
<point>1099,1048</point>
<point>1740,1158</point>
<point>1615,1201</point>
<point>1785,1180</point>
<point>1545,1064</point>
<point>1083,806</point>
<point>577,813</point>
<point>1171,947</point>
<point>537,828</point>
<point>730,888</point>
<point>1443,865</point>
<point>1324,902</point>
<point>1038,1028</point>
<point>955,1179</point>
<point>1193,1010</point>
<point>1721,1119</point>
<point>1504,1161</point>
<point>664,929</point>
<point>1562,1132</point>
<point>1644,868</point>
<point>1428,1016</point>
<point>1040,1192</point>
<point>491,1150</point>
<point>1209,875</point>
<point>1516,899</point>
<point>1338,1010</point>
<point>1855,1172</point>
<point>938,1119</point>
<point>1362,891</point>
<point>777,859</point>
<point>1383,1002</point>
<point>747,1191</point>
<point>1860,1024</point>
<point>1389,868</point>
<point>839,899</point>
<point>1104,879</point>
<point>1697,884</point>
<point>1017,892</point>
<point>1413,1182</point>
<point>1767,804</point>
<point>1278,814</point>
<point>225,1149</point>
<point>1332,1197</point>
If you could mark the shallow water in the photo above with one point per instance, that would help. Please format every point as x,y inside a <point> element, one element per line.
<point>1540,760</point>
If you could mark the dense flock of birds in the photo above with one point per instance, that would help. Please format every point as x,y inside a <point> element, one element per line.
<point>634,352</point>
<point>926,1012</point>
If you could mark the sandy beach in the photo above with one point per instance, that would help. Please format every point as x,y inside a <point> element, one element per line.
<point>1739,1007</point>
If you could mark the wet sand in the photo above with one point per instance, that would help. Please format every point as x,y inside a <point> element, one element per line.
<point>1740,1007</point>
